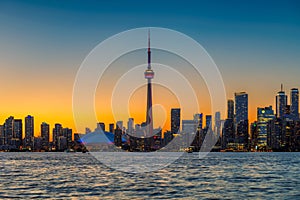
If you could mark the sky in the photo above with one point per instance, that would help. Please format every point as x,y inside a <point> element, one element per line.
<point>255,44</point>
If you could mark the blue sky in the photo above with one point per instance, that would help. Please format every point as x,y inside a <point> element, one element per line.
<point>255,44</point>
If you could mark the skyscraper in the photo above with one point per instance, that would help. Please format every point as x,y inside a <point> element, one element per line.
<point>199,120</point>
<point>119,125</point>
<point>149,74</point>
<point>208,121</point>
<point>57,132</point>
<point>29,131</point>
<point>241,117</point>
<point>67,133</point>
<point>281,101</point>
<point>218,123</point>
<point>230,109</point>
<point>264,115</point>
<point>111,127</point>
<point>175,120</point>
<point>8,130</point>
<point>130,125</point>
<point>45,133</point>
<point>294,103</point>
<point>228,128</point>
<point>100,126</point>
<point>18,131</point>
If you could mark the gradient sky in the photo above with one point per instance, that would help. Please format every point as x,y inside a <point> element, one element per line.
<point>255,44</point>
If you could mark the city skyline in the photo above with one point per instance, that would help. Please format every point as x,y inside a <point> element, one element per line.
<point>255,53</point>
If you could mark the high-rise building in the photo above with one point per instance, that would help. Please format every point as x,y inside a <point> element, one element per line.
<point>111,127</point>
<point>67,133</point>
<point>208,121</point>
<point>45,133</point>
<point>281,102</point>
<point>241,117</point>
<point>218,123</point>
<point>29,131</point>
<point>264,115</point>
<point>119,125</point>
<point>188,132</point>
<point>8,130</point>
<point>275,136</point>
<point>130,126</point>
<point>228,135</point>
<point>100,126</point>
<point>149,75</point>
<point>118,136</point>
<point>228,131</point>
<point>18,131</point>
<point>62,143</point>
<point>57,132</point>
<point>175,120</point>
<point>230,109</point>
<point>294,109</point>
<point>199,120</point>
<point>188,126</point>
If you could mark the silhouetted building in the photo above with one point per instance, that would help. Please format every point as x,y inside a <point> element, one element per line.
<point>208,121</point>
<point>67,133</point>
<point>29,132</point>
<point>37,144</point>
<point>294,109</point>
<point>18,131</point>
<point>8,130</point>
<point>230,109</point>
<point>57,132</point>
<point>189,128</point>
<point>61,143</point>
<point>100,126</point>
<point>118,136</point>
<point>275,135</point>
<point>199,121</point>
<point>119,125</point>
<point>217,124</point>
<point>111,127</point>
<point>45,134</point>
<point>281,102</point>
<point>168,136</point>
<point>228,133</point>
<point>241,117</point>
<point>175,120</point>
<point>130,125</point>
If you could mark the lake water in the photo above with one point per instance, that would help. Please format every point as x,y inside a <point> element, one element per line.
<point>216,176</point>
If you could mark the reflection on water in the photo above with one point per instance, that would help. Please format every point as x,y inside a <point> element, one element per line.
<point>219,175</point>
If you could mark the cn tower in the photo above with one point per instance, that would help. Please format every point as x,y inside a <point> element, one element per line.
<point>149,74</point>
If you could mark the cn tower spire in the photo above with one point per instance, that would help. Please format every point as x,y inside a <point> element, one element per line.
<point>149,50</point>
<point>149,74</point>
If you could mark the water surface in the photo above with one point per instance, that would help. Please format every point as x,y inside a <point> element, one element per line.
<point>217,176</point>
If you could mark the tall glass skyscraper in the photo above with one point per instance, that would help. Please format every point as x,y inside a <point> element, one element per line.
<point>264,115</point>
<point>295,103</point>
<point>241,117</point>
<point>281,101</point>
